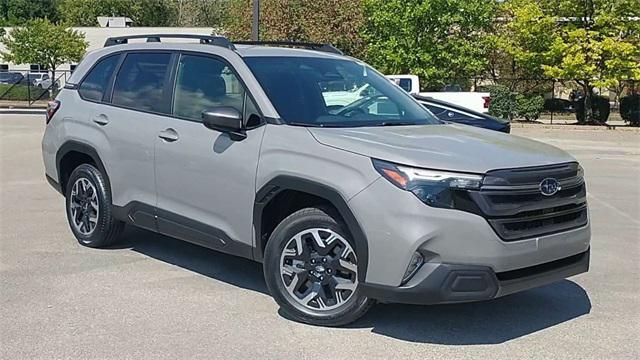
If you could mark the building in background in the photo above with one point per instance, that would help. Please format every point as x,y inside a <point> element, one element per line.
<point>96,36</point>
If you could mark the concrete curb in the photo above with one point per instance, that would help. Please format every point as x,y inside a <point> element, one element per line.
<point>23,111</point>
<point>574,127</point>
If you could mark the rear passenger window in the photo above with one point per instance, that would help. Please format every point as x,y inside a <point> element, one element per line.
<point>203,83</point>
<point>140,82</point>
<point>95,83</point>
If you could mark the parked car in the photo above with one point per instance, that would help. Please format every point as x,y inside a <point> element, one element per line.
<point>446,111</point>
<point>10,77</point>
<point>377,200</point>
<point>476,101</point>
<point>40,80</point>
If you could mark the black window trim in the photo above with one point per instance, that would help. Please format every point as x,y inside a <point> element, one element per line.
<point>166,87</point>
<point>224,61</point>
<point>173,63</point>
<point>86,75</point>
<point>107,96</point>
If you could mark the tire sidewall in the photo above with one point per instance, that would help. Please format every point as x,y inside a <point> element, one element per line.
<point>100,233</point>
<point>278,240</point>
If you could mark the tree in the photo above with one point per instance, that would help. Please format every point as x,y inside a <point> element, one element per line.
<point>142,12</point>
<point>596,44</point>
<point>520,40</point>
<point>41,42</point>
<point>442,41</point>
<point>17,12</point>
<point>209,13</point>
<point>325,21</point>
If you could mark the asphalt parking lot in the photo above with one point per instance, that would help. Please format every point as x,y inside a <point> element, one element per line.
<point>155,297</point>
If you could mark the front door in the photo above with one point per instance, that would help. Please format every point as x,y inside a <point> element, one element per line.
<point>205,181</point>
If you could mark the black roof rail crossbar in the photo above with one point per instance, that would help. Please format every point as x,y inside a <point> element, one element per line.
<point>204,39</point>
<point>313,46</point>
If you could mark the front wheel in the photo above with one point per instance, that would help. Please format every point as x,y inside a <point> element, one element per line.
<point>311,269</point>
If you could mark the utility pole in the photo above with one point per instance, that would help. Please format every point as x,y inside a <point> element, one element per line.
<point>255,26</point>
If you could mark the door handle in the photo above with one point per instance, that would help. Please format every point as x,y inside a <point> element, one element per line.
<point>169,135</point>
<point>101,119</point>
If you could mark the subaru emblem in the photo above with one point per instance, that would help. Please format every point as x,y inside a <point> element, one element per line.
<point>549,186</point>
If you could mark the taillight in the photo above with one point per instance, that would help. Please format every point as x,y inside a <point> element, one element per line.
<point>52,107</point>
<point>487,101</point>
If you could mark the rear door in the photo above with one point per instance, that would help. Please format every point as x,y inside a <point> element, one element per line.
<point>128,115</point>
<point>206,180</point>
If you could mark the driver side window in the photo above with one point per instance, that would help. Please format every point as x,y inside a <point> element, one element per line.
<point>202,83</point>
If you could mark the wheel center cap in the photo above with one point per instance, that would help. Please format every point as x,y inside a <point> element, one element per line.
<point>320,269</point>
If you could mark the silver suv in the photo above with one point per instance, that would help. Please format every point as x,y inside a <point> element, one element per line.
<point>247,149</point>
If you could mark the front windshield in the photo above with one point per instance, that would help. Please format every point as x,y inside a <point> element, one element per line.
<point>312,91</point>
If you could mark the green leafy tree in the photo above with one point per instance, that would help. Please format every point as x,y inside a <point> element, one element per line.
<point>596,44</point>
<point>520,40</point>
<point>41,42</point>
<point>17,12</point>
<point>441,41</point>
<point>142,12</point>
<point>337,22</point>
<point>208,13</point>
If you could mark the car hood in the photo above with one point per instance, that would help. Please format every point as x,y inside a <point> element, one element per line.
<point>444,147</point>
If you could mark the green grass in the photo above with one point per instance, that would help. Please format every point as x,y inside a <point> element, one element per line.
<point>22,92</point>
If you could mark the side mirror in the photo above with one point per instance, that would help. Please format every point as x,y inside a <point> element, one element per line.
<point>225,119</point>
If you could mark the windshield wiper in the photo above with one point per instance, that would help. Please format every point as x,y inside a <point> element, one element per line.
<point>396,123</point>
<point>304,124</point>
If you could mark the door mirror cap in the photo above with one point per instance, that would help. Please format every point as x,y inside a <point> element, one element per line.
<point>225,119</point>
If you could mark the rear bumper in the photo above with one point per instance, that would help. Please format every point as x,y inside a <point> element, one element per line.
<point>452,283</point>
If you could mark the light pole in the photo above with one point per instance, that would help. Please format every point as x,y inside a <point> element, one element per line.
<point>255,25</point>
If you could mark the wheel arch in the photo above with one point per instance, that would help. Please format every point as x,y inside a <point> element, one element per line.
<point>269,193</point>
<point>73,153</point>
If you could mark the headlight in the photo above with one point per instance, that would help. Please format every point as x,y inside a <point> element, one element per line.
<point>434,187</point>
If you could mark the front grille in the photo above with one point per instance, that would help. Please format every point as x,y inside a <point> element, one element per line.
<point>515,208</point>
<point>522,227</point>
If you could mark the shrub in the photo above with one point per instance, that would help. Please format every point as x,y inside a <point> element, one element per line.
<point>529,106</point>
<point>558,105</point>
<point>503,102</point>
<point>600,107</point>
<point>630,109</point>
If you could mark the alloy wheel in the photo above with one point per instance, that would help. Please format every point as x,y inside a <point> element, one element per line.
<point>84,207</point>
<point>319,269</point>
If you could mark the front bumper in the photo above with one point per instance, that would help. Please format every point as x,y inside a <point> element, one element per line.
<point>452,283</point>
<point>397,224</point>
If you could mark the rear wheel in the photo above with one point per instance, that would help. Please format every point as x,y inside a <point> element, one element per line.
<point>311,269</point>
<point>88,202</point>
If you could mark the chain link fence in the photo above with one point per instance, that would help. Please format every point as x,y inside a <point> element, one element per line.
<point>563,97</point>
<point>33,89</point>
<point>29,88</point>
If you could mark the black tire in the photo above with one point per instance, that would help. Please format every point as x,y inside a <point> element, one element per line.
<point>309,218</point>
<point>107,229</point>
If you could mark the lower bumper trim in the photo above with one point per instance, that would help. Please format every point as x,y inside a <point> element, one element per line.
<point>453,283</point>
<point>54,184</point>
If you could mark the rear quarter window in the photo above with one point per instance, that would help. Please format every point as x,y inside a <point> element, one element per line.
<point>97,80</point>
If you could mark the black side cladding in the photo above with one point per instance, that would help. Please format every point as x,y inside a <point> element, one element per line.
<point>281,183</point>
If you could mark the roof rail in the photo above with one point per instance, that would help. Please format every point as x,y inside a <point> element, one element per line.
<point>313,46</point>
<point>204,39</point>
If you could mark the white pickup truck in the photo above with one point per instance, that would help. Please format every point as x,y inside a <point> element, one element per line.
<point>477,101</point>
